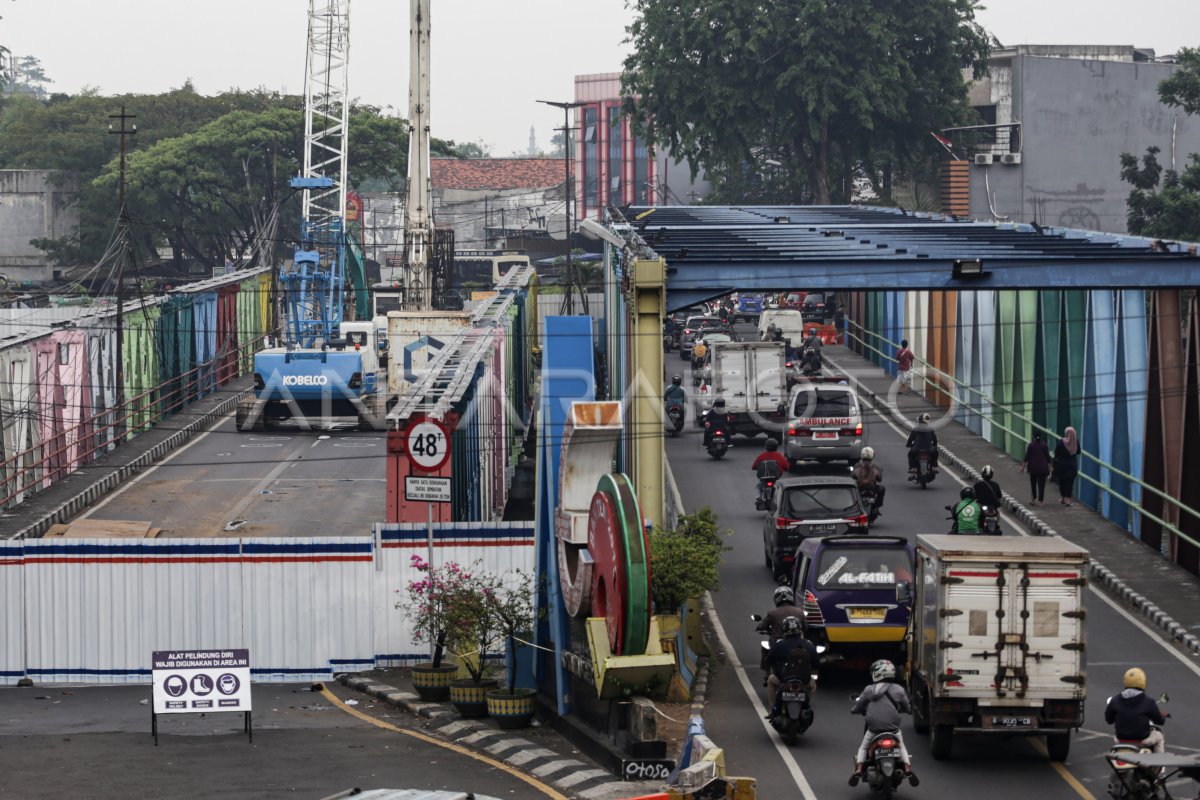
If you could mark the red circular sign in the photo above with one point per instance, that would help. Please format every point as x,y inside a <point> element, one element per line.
<point>427,442</point>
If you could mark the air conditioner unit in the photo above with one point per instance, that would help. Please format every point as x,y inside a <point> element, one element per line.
<point>1010,158</point>
<point>983,159</point>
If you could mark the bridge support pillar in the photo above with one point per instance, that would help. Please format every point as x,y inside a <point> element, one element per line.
<point>645,390</point>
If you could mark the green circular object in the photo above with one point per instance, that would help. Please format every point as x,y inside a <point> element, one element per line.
<point>637,563</point>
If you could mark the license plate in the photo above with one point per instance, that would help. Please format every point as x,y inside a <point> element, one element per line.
<point>867,614</point>
<point>793,697</point>
<point>822,530</point>
<point>825,434</point>
<point>1012,722</point>
<point>886,753</point>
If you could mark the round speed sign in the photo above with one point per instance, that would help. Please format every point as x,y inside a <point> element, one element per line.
<point>428,444</point>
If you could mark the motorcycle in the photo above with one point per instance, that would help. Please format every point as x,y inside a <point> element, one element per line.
<point>1131,780</point>
<point>925,472</point>
<point>1159,769</point>
<point>793,712</point>
<point>883,771</point>
<point>870,499</point>
<point>718,444</point>
<point>991,521</point>
<point>768,473</point>
<point>675,417</point>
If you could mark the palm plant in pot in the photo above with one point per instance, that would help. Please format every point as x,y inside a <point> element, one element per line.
<point>429,606</point>
<point>511,606</point>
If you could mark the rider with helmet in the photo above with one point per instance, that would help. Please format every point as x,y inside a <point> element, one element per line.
<point>811,363</point>
<point>922,437</point>
<point>869,476</point>
<point>785,608</point>
<point>882,703</point>
<point>987,491</point>
<point>675,393</point>
<point>788,665</point>
<point>1133,713</point>
<point>966,512</point>
<point>716,419</point>
<point>773,456</point>
<point>813,341</point>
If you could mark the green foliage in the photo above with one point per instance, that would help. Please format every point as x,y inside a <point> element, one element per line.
<point>1182,88</point>
<point>1163,204</point>
<point>684,560</point>
<point>511,605</point>
<point>819,87</point>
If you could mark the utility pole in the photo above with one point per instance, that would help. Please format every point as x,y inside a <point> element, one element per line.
<point>123,252</point>
<point>568,299</point>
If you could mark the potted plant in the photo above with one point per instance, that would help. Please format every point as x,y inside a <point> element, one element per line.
<point>472,634</point>
<point>511,606</point>
<point>429,601</point>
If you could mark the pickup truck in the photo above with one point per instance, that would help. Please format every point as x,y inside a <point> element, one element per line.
<point>997,638</point>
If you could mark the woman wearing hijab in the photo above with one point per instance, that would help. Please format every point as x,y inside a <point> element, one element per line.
<point>1066,464</point>
<point>1037,464</point>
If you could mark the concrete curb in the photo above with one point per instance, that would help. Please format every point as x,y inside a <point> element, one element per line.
<point>1105,577</point>
<point>103,486</point>
<point>566,774</point>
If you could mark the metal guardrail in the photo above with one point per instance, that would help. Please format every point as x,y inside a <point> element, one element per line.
<point>992,403</point>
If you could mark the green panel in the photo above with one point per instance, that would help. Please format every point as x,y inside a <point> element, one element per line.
<point>1073,351</point>
<point>1025,371</point>
<point>356,266</point>
<point>1002,376</point>
<point>1050,335</point>
<point>141,373</point>
<point>637,562</point>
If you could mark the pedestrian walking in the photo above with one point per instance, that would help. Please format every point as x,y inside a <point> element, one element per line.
<point>1066,464</point>
<point>1037,464</point>
<point>904,360</point>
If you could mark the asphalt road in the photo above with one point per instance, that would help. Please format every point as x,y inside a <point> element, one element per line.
<point>278,483</point>
<point>95,742</point>
<point>981,767</point>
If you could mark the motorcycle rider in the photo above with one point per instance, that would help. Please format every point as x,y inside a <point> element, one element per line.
<point>813,340</point>
<point>966,512</point>
<point>882,703</point>
<point>987,491</point>
<point>676,394</point>
<point>922,437</point>
<point>1132,712</point>
<point>811,363</point>
<point>793,657</point>
<point>785,608</point>
<point>715,419</point>
<point>771,454</point>
<point>869,476</point>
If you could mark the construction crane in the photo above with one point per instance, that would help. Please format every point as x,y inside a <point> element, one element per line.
<point>327,367</point>
<point>425,275</point>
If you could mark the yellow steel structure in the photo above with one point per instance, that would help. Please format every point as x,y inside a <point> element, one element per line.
<point>648,307</point>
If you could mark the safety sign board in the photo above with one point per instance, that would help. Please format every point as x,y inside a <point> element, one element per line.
<point>191,681</point>
<point>431,490</point>
<point>428,443</point>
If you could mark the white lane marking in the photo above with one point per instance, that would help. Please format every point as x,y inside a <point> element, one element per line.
<point>789,760</point>
<point>1016,526</point>
<point>129,484</point>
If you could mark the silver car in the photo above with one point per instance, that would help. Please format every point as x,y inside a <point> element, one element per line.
<point>825,422</point>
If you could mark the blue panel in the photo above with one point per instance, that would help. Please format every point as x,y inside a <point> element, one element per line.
<point>1136,347</point>
<point>567,377</point>
<point>985,316</point>
<point>1096,431</point>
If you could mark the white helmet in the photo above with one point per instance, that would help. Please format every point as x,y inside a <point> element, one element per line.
<point>784,594</point>
<point>867,454</point>
<point>987,473</point>
<point>883,670</point>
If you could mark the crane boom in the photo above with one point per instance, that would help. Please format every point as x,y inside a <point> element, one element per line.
<point>418,229</point>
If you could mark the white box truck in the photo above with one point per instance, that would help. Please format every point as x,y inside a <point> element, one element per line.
<point>997,641</point>
<point>752,377</point>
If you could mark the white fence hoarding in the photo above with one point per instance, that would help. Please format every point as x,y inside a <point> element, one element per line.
<point>92,610</point>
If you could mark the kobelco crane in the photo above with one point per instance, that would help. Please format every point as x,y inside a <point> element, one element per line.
<point>327,368</point>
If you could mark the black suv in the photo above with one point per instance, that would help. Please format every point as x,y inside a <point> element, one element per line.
<point>806,506</point>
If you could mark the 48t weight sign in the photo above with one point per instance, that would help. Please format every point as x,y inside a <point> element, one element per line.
<point>428,444</point>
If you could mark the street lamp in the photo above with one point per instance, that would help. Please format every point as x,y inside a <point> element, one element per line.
<point>568,196</point>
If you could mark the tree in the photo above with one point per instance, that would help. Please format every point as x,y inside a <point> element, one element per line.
<point>815,85</point>
<point>684,560</point>
<point>29,78</point>
<point>1164,203</point>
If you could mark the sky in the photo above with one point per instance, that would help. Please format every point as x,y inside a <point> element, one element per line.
<point>492,59</point>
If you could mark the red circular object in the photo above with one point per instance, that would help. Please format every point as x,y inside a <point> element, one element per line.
<point>608,574</point>
<point>418,434</point>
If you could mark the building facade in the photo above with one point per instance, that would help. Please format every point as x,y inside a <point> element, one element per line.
<point>613,165</point>
<point>34,204</point>
<point>1059,118</point>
